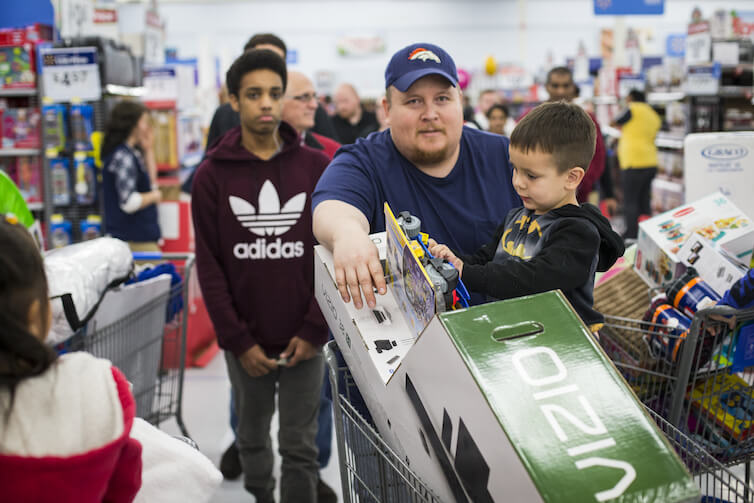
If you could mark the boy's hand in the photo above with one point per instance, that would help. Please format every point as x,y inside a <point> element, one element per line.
<point>442,251</point>
<point>298,350</point>
<point>256,363</point>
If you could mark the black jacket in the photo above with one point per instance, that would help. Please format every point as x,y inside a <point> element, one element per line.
<point>531,253</point>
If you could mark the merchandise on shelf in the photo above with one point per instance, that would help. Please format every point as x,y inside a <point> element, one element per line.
<point>33,33</point>
<point>17,67</point>
<point>165,141</point>
<point>60,231</point>
<point>82,126</point>
<point>676,117</point>
<point>61,181</point>
<point>666,193</point>
<point>117,65</point>
<point>21,128</point>
<point>91,228</point>
<point>54,127</point>
<point>85,184</point>
<point>714,217</point>
<point>670,163</point>
<point>26,172</point>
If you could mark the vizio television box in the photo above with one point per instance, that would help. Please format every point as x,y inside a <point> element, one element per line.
<point>509,401</point>
<point>713,217</point>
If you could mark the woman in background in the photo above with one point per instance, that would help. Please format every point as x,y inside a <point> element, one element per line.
<point>130,177</point>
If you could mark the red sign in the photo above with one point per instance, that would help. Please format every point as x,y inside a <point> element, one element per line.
<point>102,16</point>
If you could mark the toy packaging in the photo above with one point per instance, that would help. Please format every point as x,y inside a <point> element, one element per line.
<point>91,228</point>
<point>21,128</point>
<point>26,172</point>
<point>61,181</point>
<point>715,266</point>
<point>17,67</point>
<point>661,237</point>
<point>82,126</point>
<point>727,402</point>
<point>60,231</point>
<point>84,180</point>
<point>54,127</point>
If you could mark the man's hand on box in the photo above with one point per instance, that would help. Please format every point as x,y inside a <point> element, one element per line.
<point>357,269</point>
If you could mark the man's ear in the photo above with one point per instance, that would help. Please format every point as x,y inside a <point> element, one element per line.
<point>385,104</point>
<point>574,177</point>
<point>234,102</point>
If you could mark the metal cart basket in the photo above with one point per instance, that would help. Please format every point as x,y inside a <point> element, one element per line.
<point>371,471</point>
<point>147,344</point>
<point>691,377</point>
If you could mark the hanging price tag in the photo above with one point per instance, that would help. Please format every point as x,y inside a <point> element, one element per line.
<point>161,84</point>
<point>703,80</point>
<point>70,74</point>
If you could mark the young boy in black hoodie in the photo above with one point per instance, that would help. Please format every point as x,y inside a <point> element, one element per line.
<point>551,242</point>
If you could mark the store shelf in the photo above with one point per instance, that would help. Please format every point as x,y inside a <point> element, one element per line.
<point>17,92</point>
<point>735,91</point>
<point>669,142</point>
<point>35,206</point>
<point>15,152</point>
<point>665,97</point>
<point>116,90</point>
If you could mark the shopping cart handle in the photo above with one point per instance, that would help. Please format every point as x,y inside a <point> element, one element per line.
<point>148,255</point>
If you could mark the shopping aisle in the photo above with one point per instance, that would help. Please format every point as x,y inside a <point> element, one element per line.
<point>205,412</point>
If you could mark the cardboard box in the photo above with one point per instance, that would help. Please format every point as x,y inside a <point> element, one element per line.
<point>720,161</point>
<point>715,266</point>
<point>510,401</point>
<point>713,217</point>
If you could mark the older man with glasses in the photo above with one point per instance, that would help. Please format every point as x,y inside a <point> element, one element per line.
<point>299,109</point>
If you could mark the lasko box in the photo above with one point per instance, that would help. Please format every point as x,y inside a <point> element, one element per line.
<point>720,161</point>
<point>713,217</point>
<point>511,401</point>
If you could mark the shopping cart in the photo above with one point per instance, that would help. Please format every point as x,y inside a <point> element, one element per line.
<point>691,378</point>
<point>147,343</point>
<point>370,471</point>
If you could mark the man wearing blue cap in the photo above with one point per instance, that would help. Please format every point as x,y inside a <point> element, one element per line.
<point>456,179</point>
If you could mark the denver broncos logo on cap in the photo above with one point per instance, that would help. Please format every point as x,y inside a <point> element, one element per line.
<point>424,55</point>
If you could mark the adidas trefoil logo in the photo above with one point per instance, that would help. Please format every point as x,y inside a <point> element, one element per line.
<point>271,219</point>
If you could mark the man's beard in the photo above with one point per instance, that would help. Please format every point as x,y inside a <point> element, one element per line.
<point>425,157</point>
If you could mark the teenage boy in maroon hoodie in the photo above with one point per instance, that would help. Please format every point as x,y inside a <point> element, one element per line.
<point>254,249</point>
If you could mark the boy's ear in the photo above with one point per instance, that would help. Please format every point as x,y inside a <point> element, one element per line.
<point>233,102</point>
<point>574,177</point>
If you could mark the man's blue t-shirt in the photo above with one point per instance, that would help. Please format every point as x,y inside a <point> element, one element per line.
<point>461,210</point>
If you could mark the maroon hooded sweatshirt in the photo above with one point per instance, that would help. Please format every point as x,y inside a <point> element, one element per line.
<point>254,243</point>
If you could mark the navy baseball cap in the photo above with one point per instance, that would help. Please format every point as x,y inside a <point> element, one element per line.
<point>416,61</point>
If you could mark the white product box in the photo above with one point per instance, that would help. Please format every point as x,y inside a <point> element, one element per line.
<point>714,265</point>
<point>713,217</point>
<point>720,161</point>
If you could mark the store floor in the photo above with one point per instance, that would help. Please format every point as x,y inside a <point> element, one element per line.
<point>205,413</point>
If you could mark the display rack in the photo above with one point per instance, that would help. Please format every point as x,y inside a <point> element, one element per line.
<point>29,99</point>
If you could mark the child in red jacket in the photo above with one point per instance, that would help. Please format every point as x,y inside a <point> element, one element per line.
<point>64,421</point>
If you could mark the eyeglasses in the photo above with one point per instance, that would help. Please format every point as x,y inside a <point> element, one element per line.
<point>305,98</point>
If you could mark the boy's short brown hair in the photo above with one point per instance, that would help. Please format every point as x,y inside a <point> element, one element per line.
<point>561,129</point>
